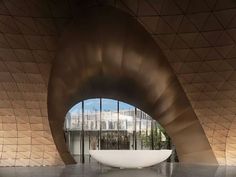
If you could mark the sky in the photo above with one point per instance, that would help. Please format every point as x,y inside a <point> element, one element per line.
<point>94,104</point>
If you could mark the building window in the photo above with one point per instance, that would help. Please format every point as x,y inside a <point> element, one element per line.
<point>111,124</point>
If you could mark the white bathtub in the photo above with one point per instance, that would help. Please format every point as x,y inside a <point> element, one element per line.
<point>130,158</point>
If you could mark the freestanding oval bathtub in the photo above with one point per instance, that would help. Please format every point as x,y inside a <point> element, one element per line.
<point>130,158</point>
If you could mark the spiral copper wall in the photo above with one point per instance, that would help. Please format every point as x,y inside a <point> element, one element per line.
<point>106,53</point>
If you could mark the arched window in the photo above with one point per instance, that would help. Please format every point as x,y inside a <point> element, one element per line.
<point>102,123</point>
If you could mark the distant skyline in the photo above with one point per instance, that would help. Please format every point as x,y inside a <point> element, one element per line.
<point>94,104</point>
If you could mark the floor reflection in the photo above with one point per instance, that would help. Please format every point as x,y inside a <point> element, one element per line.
<point>131,173</point>
<point>96,170</point>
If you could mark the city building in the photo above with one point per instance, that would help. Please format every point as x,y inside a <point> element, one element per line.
<point>114,125</point>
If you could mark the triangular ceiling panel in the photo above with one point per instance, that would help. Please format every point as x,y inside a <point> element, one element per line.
<point>150,23</point>
<point>169,7</point>
<point>211,24</point>
<point>145,9</point>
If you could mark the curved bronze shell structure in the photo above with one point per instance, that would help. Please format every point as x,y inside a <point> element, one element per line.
<point>106,53</point>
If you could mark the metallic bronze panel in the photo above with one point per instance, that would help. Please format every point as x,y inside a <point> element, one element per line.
<point>106,53</point>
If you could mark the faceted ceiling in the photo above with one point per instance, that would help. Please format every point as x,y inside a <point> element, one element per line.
<point>196,36</point>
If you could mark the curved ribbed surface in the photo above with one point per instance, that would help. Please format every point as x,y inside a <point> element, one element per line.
<point>106,53</point>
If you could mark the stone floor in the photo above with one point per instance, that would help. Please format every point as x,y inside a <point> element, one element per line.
<point>96,170</point>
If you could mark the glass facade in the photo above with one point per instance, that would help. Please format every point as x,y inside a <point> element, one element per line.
<point>111,124</point>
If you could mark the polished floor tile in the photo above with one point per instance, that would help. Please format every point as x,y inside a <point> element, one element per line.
<point>96,170</point>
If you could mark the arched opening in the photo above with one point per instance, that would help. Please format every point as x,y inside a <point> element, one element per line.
<point>106,124</point>
<point>106,53</point>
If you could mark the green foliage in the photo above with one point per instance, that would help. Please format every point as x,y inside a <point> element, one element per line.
<point>156,135</point>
